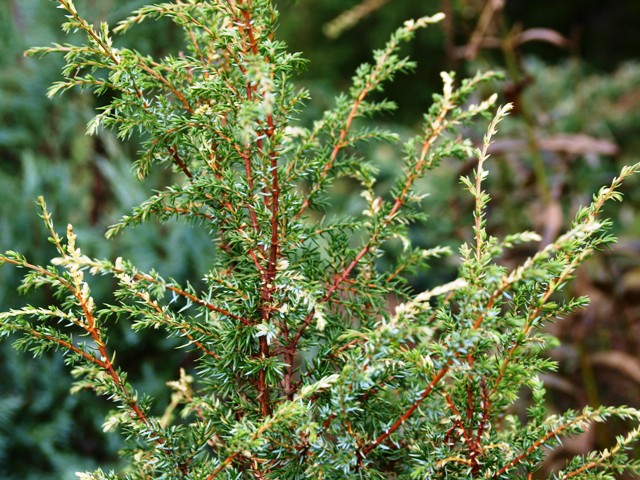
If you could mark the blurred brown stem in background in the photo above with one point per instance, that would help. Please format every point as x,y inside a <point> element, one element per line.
<point>351,17</point>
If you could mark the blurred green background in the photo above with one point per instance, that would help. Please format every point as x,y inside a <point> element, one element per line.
<point>571,68</point>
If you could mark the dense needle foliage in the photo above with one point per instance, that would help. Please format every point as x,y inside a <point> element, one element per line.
<point>304,356</point>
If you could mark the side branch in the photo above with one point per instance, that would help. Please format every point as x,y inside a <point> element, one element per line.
<point>59,341</point>
<point>197,300</point>
<point>185,328</point>
<point>406,415</point>
<point>176,158</point>
<point>336,149</point>
<point>437,127</point>
<point>178,291</point>
<point>539,443</point>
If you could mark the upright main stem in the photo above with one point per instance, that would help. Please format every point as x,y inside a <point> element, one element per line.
<point>269,156</point>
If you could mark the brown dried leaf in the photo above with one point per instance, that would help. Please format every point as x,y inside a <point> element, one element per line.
<point>542,35</point>
<point>576,144</point>
<point>624,363</point>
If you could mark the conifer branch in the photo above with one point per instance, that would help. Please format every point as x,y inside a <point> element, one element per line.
<point>309,354</point>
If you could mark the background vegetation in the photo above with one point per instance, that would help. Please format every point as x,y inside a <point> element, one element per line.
<point>576,88</point>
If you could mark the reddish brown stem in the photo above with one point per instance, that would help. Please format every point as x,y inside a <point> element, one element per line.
<point>268,274</point>
<point>184,328</point>
<point>60,342</point>
<point>458,422</point>
<point>268,281</point>
<point>537,444</point>
<point>438,125</point>
<point>406,415</point>
<point>264,393</point>
<point>486,411</point>
<point>179,162</point>
<point>227,461</point>
<point>246,15</point>
<point>337,147</point>
<point>193,298</point>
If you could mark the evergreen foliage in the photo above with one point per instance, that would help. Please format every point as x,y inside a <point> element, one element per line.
<point>298,364</point>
